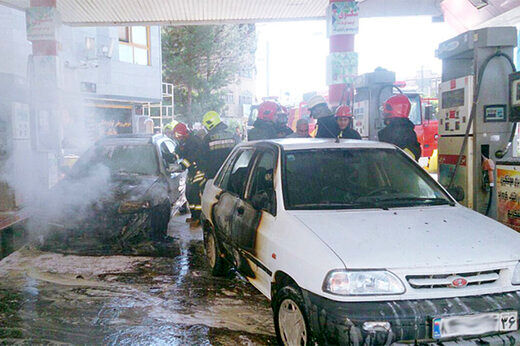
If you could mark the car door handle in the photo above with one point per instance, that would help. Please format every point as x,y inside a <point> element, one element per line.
<point>240,210</point>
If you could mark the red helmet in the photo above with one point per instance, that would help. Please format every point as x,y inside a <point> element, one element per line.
<point>343,111</point>
<point>267,110</point>
<point>397,106</point>
<point>180,131</point>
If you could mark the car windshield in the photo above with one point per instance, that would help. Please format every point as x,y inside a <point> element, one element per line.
<point>125,159</point>
<point>355,179</point>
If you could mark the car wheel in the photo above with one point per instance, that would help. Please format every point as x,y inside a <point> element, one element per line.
<point>216,263</point>
<point>160,218</point>
<point>290,321</point>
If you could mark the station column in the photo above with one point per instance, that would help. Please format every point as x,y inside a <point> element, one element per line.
<point>342,62</point>
<point>45,89</point>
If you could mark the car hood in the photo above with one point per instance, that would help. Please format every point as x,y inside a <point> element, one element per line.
<point>131,187</point>
<point>413,237</point>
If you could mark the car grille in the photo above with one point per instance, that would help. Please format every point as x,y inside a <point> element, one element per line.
<point>445,280</point>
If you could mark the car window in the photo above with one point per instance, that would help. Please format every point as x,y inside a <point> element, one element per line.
<point>356,178</point>
<point>235,176</point>
<point>168,152</point>
<point>131,159</point>
<point>262,186</point>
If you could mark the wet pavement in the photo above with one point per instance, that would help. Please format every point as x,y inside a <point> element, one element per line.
<point>53,298</point>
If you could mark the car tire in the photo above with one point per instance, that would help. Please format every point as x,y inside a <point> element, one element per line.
<point>290,320</point>
<point>216,262</point>
<point>160,219</point>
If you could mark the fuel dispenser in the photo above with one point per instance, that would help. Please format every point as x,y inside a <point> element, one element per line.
<point>474,126</point>
<point>371,90</point>
<point>508,167</point>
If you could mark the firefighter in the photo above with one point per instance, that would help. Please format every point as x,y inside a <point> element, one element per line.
<point>399,129</point>
<point>218,143</point>
<point>168,129</point>
<point>190,153</point>
<point>327,126</point>
<point>344,121</point>
<point>302,129</point>
<point>281,119</point>
<point>264,125</point>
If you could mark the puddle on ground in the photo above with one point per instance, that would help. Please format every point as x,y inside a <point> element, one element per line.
<point>56,298</point>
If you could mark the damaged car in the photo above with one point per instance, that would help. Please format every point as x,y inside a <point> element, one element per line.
<point>354,243</point>
<point>119,193</point>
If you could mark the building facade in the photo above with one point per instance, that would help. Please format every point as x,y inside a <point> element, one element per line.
<point>103,77</point>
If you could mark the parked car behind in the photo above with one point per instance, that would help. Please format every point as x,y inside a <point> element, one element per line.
<point>354,243</point>
<point>121,190</point>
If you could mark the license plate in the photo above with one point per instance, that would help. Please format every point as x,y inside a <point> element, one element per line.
<point>474,325</point>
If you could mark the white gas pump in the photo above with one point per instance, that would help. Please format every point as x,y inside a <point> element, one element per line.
<point>473,124</point>
<point>371,90</point>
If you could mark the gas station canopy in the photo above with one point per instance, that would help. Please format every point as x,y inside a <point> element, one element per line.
<point>127,12</point>
<point>461,14</point>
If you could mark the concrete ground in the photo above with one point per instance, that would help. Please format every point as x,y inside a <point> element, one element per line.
<point>52,298</point>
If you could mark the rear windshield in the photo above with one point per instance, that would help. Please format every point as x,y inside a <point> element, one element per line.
<point>356,178</point>
<point>133,159</point>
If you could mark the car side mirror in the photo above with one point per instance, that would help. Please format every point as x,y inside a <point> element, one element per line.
<point>260,201</point>
<point>428,111</point>
<point>175,168</point>
<point>457,192</point>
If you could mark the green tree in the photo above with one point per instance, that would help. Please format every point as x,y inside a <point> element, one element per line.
<point>201,61</point>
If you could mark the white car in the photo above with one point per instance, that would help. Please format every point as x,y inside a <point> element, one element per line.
<point>354,243</point>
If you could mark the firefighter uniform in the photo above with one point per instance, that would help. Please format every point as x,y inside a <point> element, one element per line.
<point>400,132</point>
<point>218,143</point>
<point>190,154</point>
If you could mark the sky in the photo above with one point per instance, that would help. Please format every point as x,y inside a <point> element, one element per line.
<point>298,51</point>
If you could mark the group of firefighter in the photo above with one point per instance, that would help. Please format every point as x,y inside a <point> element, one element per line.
<point>203,156</point>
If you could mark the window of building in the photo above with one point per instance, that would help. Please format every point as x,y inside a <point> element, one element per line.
<point>229,99</point>
<point>246,100</point>
<point>134,45</point>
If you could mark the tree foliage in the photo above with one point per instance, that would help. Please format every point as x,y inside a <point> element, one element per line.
<point>201,61</point>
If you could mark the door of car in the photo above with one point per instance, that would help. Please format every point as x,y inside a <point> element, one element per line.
<point>232,181</point>
<point>254,215</point>
<point>175,180</point>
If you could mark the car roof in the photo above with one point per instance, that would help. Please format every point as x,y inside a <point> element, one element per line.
<point>321,143</point>
<point>131,138</point>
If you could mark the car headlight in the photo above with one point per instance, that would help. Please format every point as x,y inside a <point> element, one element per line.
<point>132,206</point>
<point>515,280</point>
<point>357,283</point>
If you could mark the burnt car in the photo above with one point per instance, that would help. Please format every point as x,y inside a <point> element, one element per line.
<point>120,192</point>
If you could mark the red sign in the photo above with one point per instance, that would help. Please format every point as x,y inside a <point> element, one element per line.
<point>453,84</point>
<point>451,160</point>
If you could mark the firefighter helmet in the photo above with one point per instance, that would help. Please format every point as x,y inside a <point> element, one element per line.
<point>316,100</point>
<point>397,106</point>
<point>180,131</point>
<point>210,120</point>
<point>343,111</point>
<point>267,110</point>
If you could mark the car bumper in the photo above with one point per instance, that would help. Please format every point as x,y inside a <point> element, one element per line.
<point>334,322</point>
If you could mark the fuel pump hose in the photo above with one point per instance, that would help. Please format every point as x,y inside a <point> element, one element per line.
<point>472,117</point>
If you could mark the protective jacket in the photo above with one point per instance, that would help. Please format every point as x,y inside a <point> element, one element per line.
<point>190,155</point>
<point>262,129</point>
<point>327,127</point>
<point>400,132</point>
<point>218,143</point>
<point>348,133</point>
<point>283,131</point>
